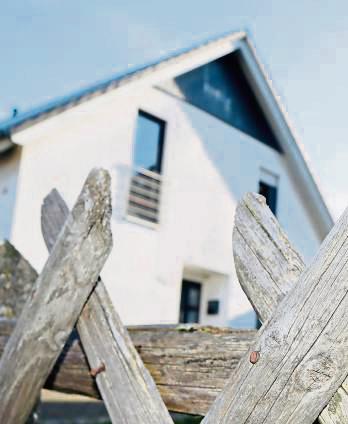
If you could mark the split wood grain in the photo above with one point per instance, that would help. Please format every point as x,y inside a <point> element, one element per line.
<point>302,348</point>
<point>190,364</point>
<point>127,388</point>
<point>268,266</point>
<point>60,292</point>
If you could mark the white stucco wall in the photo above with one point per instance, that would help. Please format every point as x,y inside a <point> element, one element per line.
<point>207,167</point>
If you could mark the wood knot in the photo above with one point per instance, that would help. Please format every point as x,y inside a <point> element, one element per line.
<point>95,371</point>
<point>254,357</point>
<point>316,373</point>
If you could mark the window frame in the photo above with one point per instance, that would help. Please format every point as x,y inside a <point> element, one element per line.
<point>160,151</point>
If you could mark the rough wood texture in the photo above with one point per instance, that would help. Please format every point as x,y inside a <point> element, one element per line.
<point>108,345</point>
<point>266,263</point>
<point>60,292</point>
<point>268,266</point>
<point>190,364</point>
<point>17,279</point>
<point>303,348</point>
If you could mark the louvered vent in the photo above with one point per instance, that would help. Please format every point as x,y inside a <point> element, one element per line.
<point>144,196</point>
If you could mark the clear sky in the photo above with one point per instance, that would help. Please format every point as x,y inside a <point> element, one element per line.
<point>51,47</point>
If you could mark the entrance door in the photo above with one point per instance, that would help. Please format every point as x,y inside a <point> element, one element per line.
<point>190,301</point>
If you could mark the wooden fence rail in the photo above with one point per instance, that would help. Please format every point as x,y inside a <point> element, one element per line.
<point>190,364</point>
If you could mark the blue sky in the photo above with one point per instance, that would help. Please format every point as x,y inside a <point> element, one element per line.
<point>51,47</point>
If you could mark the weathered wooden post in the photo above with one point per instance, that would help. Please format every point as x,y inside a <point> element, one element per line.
<point>107,344</point>
<point>190,364</point>
<point>296,364</point>
<point>186,386</point>
<point>17,278</point>
<point>268,266</point>
<point>60,293</point>
<point>300,353</point>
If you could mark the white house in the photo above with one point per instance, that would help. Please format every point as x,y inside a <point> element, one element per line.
<point>183,138</point>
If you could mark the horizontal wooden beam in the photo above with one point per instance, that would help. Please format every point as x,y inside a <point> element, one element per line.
<point>190,364</point>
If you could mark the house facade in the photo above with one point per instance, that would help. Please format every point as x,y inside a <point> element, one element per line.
<point>184,139</point>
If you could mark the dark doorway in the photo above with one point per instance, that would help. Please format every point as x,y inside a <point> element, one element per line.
<point>190,301</point>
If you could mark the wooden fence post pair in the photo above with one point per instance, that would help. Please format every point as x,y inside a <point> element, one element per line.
<point>66,292</point>
<point>294,371</point>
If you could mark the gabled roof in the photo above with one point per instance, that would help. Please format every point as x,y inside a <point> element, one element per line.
<point>22,120</point>
<point>180,62</point>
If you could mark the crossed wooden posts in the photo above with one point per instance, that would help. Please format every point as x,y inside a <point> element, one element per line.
<point>293,372</point>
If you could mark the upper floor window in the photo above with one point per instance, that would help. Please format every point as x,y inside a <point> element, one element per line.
<point>270,193</point>
<point>149,140</point>
<point>145,184</point>
<point>268,187</point>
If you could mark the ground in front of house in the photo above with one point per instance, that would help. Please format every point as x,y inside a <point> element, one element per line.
<point>58,408</point>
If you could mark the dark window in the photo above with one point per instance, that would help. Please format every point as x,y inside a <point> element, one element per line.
<point>270,193</point>
<point>190,301</point>
<point>222,89</point>
<point>213,307</point>
<point>258,323</point>
<point>149,140</point>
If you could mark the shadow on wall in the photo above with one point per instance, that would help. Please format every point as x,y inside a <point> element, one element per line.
<point>9,170</point>
<point>227,148</point>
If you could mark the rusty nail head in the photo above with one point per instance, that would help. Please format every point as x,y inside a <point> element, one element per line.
<point>254,357</point>
<point>95,371</point>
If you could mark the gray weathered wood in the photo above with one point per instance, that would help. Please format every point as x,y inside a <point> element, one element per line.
<point>190,364</point>
<point>268,266</point>
<point>303,348</point>
<point>17,278</point>
<point>60,293</point>
<point>107,343</point>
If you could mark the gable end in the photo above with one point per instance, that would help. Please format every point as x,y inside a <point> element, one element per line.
<point>221,88</point>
